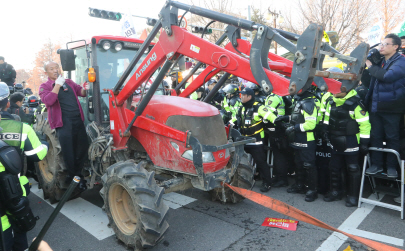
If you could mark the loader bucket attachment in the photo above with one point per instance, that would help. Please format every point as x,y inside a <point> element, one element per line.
<point>306,59</point>
<point>356,67</point>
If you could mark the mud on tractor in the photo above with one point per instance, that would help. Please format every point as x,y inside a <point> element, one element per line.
<point>143,146</point>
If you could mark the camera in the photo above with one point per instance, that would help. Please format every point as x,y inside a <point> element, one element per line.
<point>374,56</point>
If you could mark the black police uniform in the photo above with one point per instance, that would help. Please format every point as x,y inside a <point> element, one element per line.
<point>251,125</point>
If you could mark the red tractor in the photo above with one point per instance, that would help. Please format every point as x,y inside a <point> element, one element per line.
<point>144,145</point>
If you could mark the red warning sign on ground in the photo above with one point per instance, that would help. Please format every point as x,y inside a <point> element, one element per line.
<point>281,223</point>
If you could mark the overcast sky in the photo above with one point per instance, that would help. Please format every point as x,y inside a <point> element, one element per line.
<point>27,24</point>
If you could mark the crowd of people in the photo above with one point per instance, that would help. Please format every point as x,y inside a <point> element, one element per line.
<point>328,134</point>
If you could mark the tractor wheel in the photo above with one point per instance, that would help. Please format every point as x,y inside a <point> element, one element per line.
<point>243,178</point>
<point>51,170</point>
<point>133,203</point>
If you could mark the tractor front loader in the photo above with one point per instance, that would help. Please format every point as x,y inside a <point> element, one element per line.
<point>143,146</point>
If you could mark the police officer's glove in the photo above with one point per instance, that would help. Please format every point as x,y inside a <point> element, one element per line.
<point>325,137</point>
<point>289,130</point>
<point>284,118</point>
<point>60,80</point>
<point>364,146</point>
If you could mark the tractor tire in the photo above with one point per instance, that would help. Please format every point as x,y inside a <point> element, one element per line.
<point>51,170</point>
<point>243,178</point>
<point>134,204</point>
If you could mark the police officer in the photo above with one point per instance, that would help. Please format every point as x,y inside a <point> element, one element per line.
<point>274,106</point>
<point>231,102</point>
<point>18,88</point>
<point>23,139</point>
<point>349,132</point>
<point>251,124</point>
<point>300,131</point>
<point>218,97</point>
<point>259,96</point>
<point>7,72</point>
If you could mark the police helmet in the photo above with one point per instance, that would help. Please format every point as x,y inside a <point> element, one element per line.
<point>28,91</point>
<point>211,81</point>
<point>33,101</point>
<point>231,89</point>
<point>18,88</point>
<point>252,86</point>
<point>4,91</point>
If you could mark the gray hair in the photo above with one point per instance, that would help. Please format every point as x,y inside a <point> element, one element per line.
<point>48,63</point>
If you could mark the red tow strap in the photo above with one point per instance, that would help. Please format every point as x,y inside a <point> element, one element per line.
<point>295,213</point>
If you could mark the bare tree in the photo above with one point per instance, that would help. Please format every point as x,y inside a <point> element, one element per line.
<point>392,13</point>
<point>22,75</point>
<point>349,18</point>
<point>47,53</point>
<point>222,6</point>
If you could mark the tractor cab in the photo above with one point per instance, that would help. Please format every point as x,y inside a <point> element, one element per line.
<point>109,56</point>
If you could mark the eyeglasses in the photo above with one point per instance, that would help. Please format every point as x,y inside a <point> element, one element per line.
<point>385,44</point>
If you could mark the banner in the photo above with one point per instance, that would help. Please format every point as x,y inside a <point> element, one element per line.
<point>401,31</point>
<point>127,26</point>
<point>375,34</point>
<point>281,223</point>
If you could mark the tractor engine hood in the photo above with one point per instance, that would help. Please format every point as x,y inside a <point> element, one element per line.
<point>160,108</point>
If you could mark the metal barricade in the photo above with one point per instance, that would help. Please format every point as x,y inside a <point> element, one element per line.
<point>380,176</point>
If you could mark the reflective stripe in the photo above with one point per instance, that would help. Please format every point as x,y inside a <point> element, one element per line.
<point>273,109</point>
<point>323,110</point>
<point>255,114</point>
<point>256,143</point>
<point>36,150</point>
<point>299,144</point>
<point>310,118</point>
<point>351,112</point>
<point>24,136</point>
<point>364,136</point>
<point>326,122</point>
<point>271,129</point>
<point>302,127</point>
<point>327,113</point>
<point>267,114</point>
<point>362,119</point>
<point>355,149</point>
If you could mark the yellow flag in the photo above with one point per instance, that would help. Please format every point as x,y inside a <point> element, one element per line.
<point>325,37</point>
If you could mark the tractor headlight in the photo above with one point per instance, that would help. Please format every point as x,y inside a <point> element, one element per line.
<point>106,45</point>
<point>206,156</point>
<point>118,46</point>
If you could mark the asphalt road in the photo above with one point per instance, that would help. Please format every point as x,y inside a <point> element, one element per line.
<point>197,223</point>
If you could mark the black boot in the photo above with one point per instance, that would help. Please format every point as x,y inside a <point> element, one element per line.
<point>311,195</point>
<point>298,187</point>
<point>312,181</point>
<point>335,192</point>
<point>354,181</point>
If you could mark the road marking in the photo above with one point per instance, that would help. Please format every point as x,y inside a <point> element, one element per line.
<point>175,200</point>
<point>336,240</point>
<point>374,236</point>
<point>93,219</point>
<point>88,216</point>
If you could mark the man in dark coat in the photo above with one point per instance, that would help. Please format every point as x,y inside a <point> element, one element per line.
<point>385,101</point>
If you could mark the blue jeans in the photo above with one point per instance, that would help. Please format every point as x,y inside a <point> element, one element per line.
<point>385,126</point>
